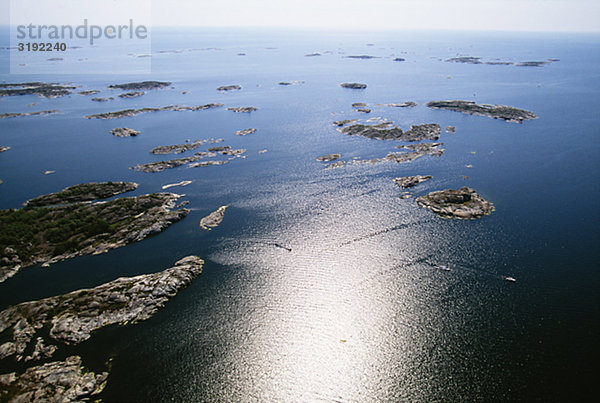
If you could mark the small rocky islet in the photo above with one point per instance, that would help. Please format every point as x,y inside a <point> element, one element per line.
<point>227,88</point>
<point>21,114</point>
<point>89,92</point>
<point>245,132</point>
<point>213,219</point>
<point>141,85</point>
<point>329,157</point>
<point>243,109</point>
<point>124,132</point>
<point>502,112</point>
<point>134,112</point>
<point>410,181</point>
<point>498,62</point>
<point>180,148</point>
<point>463,203</point>
<point>192,161</point>
<point>133,94</point>
<point>47,90</point>
<point>354,86</point>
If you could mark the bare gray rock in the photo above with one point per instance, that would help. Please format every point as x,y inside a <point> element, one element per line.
<point>463,203</point>
<point>207,164</point>
<point>355,86</point>
<point>74,316</point>
<point>502,112</point>
<point>133,94</point>
<point>225,88</point>
<point>59,381</point>
<point>21,114</point>
<point>341,123</point>
<point>243,109</point>
<point>213,219</point>
<point>329,157</point>
<point>245,132</point>
<point>124,132</point>
<point>410,181</point>
<point>180,148</point>
<point>134,112</point>
<point>387,131</point>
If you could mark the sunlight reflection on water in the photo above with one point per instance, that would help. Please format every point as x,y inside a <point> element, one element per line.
<point>327,293</point>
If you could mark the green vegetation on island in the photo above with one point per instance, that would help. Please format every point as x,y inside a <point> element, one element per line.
<point>143,85</point>
<point>81,193</point>
<point>52,90</point>
<point>48,235</point>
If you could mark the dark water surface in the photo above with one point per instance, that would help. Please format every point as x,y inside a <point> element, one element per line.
<point>356,310</point>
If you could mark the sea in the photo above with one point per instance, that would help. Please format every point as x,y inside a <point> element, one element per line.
<point>324,284</point>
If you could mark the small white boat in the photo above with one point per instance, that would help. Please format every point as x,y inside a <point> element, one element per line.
<point>443,268</point>
<point>510,279</point>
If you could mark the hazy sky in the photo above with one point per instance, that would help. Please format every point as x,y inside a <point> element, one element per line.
<point>513,15</point>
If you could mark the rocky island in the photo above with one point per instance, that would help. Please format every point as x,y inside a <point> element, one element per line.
<point>355,86</point>
<point>225,88</point>
<point>408,104</point>
<point>35,88</point>
<point>71,318</point>
<point>213,219</point>
<point>341,123</point>
<point>329,157</point>
<point>243,109</point>
<point>245,132</point>
<point>49,235</point>
<point>133,94</point>
<point>134,112</point>
<point>362,57</point>
<point>207,164</point>
<point>143,85</point>
<point>18,114</point>
<point>429,148</point>
<point>463,203</point>
<point>503,112</point>
<point>410,181</point>
<point>532,64</point>
<point>180,148</point>
<point>159,166</point>
<point>59,381</point>
<point>387,131</point>
<point>82,193</point>
<point>399,157</point>
<point>465,59</point>
<point>124,132</point>
<point>170,185</point>
<point>89,92</point>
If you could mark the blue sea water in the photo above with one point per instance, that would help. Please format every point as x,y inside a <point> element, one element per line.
<point>356,311</point>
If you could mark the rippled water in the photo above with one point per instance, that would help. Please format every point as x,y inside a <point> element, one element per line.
<point>321,285</point>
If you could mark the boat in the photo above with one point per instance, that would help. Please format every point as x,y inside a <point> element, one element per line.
<point>509,279</point>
